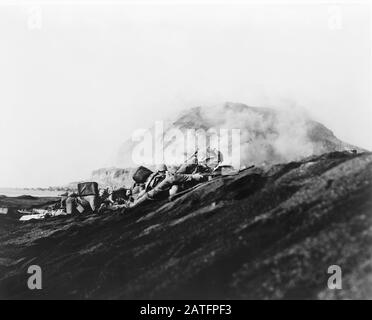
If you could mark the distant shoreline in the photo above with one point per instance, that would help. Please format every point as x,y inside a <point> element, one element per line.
<point>17,192</point>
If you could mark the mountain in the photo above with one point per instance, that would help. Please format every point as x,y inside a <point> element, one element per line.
<point>265,233</point>
<point>267,136</point>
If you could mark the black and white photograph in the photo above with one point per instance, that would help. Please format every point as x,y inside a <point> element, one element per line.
<point>185,154</point>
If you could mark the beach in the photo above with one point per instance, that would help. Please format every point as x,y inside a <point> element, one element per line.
<point>25,202</point>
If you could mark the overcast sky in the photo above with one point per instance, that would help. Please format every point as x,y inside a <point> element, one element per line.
<point>76,80</point>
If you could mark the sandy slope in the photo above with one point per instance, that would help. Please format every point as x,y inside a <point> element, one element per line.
<point>261,234</point>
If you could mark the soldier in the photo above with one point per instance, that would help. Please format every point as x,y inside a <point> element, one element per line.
<point>171,182</point>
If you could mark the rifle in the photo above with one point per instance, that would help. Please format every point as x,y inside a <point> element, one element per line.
<point>226,171</point>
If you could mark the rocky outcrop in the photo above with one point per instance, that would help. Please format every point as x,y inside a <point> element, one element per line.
<point>113,177</point>
<point>266,233</point>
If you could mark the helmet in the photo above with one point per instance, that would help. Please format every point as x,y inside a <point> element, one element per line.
<point>162,167</point>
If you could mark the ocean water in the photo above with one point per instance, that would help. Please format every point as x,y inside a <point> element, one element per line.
<point>16,192</point>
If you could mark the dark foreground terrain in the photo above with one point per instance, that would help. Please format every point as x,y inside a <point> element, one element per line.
<point>262,234</point>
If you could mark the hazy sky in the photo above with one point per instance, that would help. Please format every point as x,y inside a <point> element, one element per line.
<point>76,80</point>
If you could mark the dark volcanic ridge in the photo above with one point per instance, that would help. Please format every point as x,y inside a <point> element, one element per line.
<point>265,233</point>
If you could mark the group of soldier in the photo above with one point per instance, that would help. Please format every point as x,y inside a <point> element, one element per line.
<point>160,184</point>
